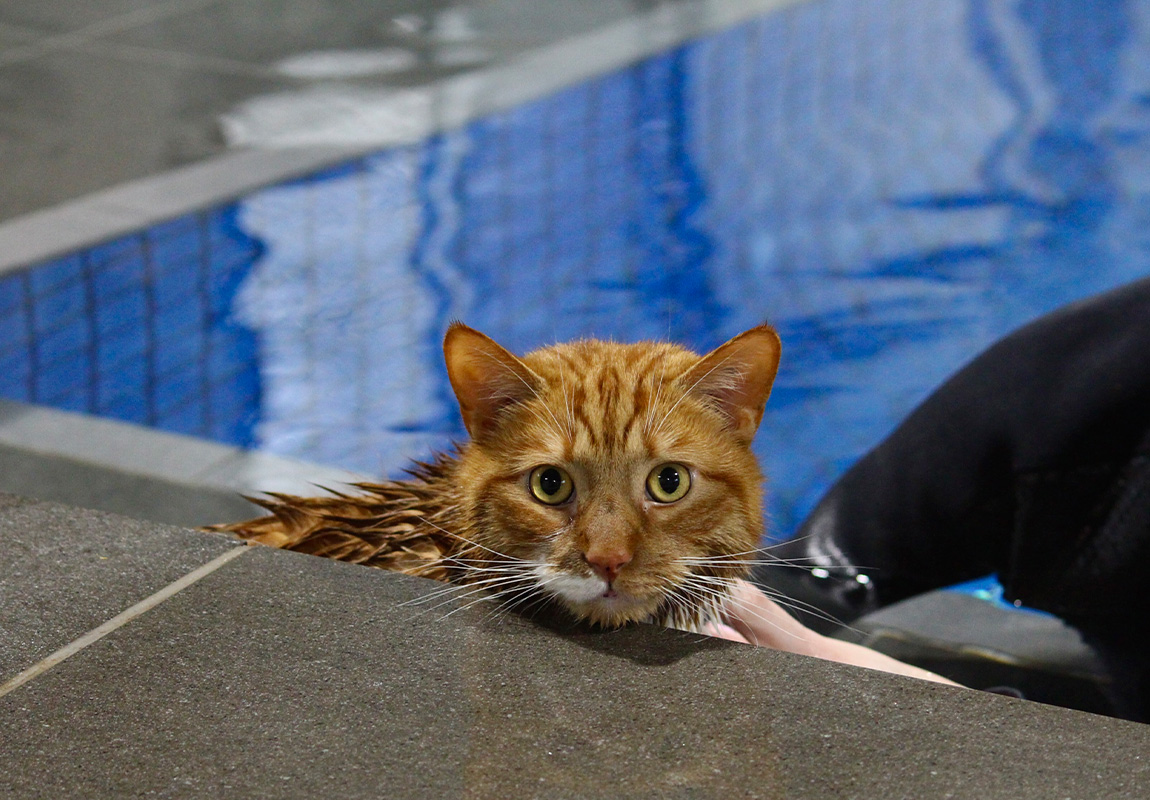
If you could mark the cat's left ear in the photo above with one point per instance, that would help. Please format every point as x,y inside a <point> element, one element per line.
<point>736,378</point>
<point>486,378</point>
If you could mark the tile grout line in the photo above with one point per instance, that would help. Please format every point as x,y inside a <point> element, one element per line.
<point>124,617</point>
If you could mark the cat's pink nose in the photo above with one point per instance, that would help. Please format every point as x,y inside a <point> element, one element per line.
<point>607,564</point>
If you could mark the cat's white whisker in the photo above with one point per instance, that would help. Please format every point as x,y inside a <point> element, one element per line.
<point>503,602</point>
<point>752,551</point>
<point>787,602</point>
<point>777,596</point>
<point>744,609</point>
<point>483,565</point>
<point>653,400</point>
<point>804,607</point>
<point>533,592</point>
<point>506,589</point>
<point>471,589</point>
<point>748,563</point>
<point>485,595</point>
<point>456,587</point>
<point>500,595</point>
<point>693,608</point>
<point>468,541</point>
<point>567,404</point>
<point>487,598</point>
<point>559,532</point>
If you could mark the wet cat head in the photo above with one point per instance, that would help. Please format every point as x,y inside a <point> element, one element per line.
<point>615,478</point>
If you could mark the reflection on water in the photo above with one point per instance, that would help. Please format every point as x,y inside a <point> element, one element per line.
<point>893,190</point>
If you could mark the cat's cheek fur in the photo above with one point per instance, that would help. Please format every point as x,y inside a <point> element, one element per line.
<point>511,521</point>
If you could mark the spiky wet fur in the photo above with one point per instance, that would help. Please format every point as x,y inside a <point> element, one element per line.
<point>607,412</point>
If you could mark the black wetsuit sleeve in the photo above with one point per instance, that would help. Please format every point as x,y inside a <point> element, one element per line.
<point>1032,462</point>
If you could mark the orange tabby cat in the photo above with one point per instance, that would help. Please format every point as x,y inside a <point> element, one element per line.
<point>614,479</point>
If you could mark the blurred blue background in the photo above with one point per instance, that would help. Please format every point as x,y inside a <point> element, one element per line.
<point>892,186</point>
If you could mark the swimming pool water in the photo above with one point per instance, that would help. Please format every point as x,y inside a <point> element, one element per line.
<point>892,189</point>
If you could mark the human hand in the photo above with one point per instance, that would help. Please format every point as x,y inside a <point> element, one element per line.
<point>752,617</point>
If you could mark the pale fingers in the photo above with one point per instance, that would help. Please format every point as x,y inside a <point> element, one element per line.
<point>722,631</point>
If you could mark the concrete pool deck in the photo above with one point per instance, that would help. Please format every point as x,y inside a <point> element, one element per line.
<point>197,667</point>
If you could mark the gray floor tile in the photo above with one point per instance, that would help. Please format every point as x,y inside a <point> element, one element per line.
<point>65,571</point>
<point>282,675</point>
<point>136,121</point>
<point>12,35</point>
<point>402,41</point>
<point>70,15</point>
<point>264,31</point>
<point>97,486</point>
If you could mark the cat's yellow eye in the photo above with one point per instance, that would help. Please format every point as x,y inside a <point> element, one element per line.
<point>669,482</point>
<point>551,485</point>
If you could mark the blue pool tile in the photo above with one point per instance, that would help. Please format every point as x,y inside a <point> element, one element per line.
<point>233,408</point>
<point>67,398</point>
<point>111,279</point>
<point>57,274</point>
<point>62,304</point>
<point>175,393</point>
<point>16,371</point>
<point>12,294</point>
<point>13,327</point>
<point>178,238</point>
<point>128,311</point>
<point>116,251</point>
<point>64,374</point>
<point>126,405</point>
<point>55,343</point>
<point>124,353</point>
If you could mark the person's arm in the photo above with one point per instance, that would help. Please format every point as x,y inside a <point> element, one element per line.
<point>754,618</point>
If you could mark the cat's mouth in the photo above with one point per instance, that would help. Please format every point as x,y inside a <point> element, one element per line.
<point>594,599</point>
<point>579,588</point>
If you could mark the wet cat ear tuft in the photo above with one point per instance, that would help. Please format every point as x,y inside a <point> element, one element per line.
<point>736,378</point>
<point>486,378</point>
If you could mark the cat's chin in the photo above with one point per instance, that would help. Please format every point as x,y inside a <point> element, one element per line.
<point>591,600</point>
<point>614,611</point>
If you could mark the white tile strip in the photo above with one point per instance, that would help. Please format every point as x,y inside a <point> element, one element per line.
<point>138,450</point>
<point>121,619</point>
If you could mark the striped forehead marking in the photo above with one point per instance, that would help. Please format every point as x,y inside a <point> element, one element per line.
<point>612,404</point>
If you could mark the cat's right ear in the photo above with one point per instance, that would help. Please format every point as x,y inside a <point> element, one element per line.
<point>736,378</point>
<point>486,379</point>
